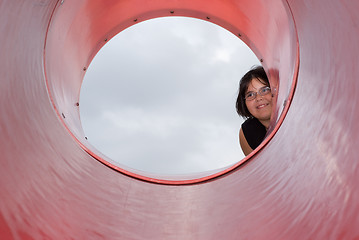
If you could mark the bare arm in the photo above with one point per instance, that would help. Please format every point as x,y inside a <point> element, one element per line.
<point>244,144</point>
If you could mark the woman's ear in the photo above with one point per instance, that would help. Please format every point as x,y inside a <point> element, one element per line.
<point>274,91</point>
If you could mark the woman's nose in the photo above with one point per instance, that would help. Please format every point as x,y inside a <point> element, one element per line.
<point>259,97</point>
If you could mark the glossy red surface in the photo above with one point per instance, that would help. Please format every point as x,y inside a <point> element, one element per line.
<point>300,184</point>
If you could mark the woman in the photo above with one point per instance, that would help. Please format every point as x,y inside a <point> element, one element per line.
<point>254,103</point>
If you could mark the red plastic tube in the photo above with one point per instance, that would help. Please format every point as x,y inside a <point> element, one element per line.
<point>301,183</point>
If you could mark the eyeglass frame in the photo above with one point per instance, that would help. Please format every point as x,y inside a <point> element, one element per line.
<point>259,92</point>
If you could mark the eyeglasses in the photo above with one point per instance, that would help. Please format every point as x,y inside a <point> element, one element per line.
<point>262,92</point>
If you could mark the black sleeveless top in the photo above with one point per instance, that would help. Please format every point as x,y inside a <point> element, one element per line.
<point>254,132</point>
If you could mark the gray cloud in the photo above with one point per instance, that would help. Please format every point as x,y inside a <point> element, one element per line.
<point>160,96</point>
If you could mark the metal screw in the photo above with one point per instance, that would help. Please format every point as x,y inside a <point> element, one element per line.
<point>208,18</point>
<point>135,20</point>
<point>77,104</point>
<point>239,35</point>
<point>172,12</point>
<point>261,60</point>
<point>85,68</point>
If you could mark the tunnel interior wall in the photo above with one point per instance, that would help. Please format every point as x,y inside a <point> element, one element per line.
<point>300,185</point>
<point>78,30</point>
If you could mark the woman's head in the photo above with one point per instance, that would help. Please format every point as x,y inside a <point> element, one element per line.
<point>254,84</point>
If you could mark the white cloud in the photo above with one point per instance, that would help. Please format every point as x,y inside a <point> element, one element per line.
<point>160,96</point>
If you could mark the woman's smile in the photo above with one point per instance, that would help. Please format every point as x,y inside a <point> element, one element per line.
<point>263,105</point>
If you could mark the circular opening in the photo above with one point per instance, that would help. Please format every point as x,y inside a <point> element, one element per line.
<point>159,97</point>
<point>78,29</point>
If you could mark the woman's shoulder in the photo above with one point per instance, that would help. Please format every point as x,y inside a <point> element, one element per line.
<point>252,122</point>
<point>254,132</point>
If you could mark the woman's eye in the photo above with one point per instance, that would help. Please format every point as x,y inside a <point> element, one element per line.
<point>250,94</point>
<point>265,90</point>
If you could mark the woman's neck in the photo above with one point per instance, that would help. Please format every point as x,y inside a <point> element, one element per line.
<point>265,123</point>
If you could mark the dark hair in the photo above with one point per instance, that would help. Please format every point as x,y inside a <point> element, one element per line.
<point>256,72</point>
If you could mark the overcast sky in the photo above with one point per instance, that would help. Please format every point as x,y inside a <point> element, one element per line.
<point>160,96</point>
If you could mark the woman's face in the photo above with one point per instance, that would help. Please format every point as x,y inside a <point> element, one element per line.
<point>261,106</point>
